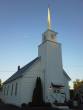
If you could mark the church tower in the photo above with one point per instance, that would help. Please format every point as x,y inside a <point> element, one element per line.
<point>51,60</point>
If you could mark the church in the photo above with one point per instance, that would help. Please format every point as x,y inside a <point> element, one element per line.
<point>48,66</point>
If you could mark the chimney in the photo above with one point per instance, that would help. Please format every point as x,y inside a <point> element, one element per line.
<point>18,67</point>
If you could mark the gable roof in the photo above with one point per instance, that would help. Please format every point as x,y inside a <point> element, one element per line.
<point>20,72</point>
<point>66,75</point>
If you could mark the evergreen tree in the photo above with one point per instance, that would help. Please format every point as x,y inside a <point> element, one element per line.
<point>37,98</point>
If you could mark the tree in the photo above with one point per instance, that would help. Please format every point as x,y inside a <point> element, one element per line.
<point>78,90</point>
<point>37,98</point>
<point>77,84</point>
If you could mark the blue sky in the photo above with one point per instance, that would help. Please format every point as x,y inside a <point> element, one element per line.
<point>22,23</point>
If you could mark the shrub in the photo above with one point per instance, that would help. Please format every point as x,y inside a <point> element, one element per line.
<point>47,104</point>
<point>1,101</point>
<point>30,104</point>
<point>23,106</point>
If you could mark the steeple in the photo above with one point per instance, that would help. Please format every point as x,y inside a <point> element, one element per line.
<point>49,18</point>
<point>49,35</point>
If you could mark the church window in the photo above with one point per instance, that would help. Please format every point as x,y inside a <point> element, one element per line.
<point>16,86</point>
<point>12,90</point>
<point>4,90</point>
<point>7,89</point>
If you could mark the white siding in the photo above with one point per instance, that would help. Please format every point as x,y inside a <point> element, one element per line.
<point>66,87</point>
<point>25,87</point>
<point>28,82</point>
<point>13,99</point>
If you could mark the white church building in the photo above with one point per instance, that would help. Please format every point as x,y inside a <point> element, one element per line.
<point>48,66</point>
